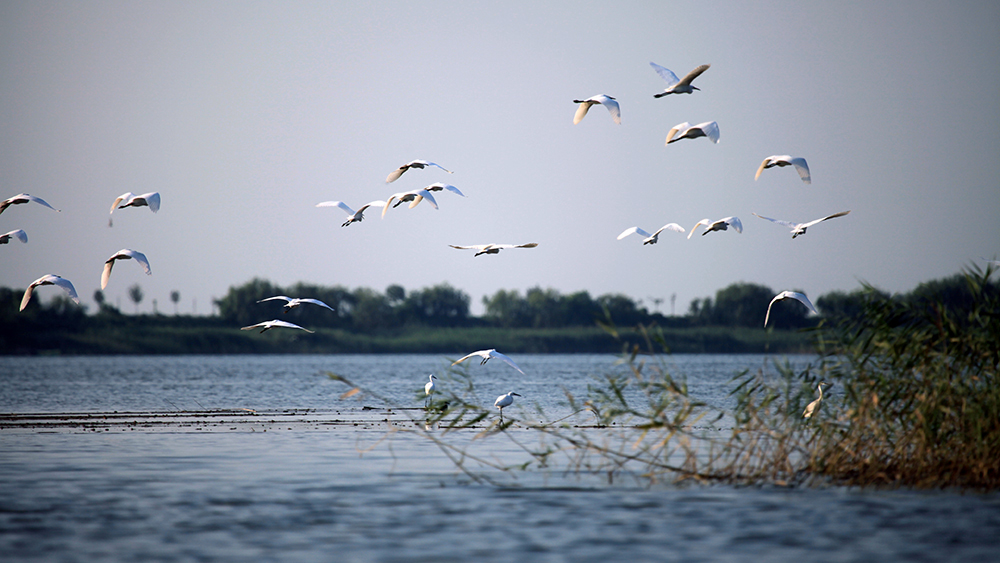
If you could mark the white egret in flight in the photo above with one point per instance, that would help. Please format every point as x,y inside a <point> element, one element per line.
<point>123,254</point>
<point>811,407</point>
<point>435,187</point>
<point>651,238</point>
<point>720,225</point>
<point>23,198</point>
<point>606,101</point>
<point>50,279</point>
<point>412,196</point>
<point>129,199</point>
<point>504,401</point>
<point>782,160</point>
<point>19,233</point>
<point>493,248</point>
<point>685,130</point>
<point>800,228</point>
<point>352,215</point>
<point>293,302</point>
<point>486,355</point>
<point>800,297</point>
<point>412,164</point>
<point>675,85</point>
<point>268,325</point>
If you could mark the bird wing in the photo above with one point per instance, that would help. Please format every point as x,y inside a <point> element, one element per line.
<point>613,109</point>
<point>395,174</point>
<point>376,203</point>
<point>811,223</point>
<point>669,227</point>
<point>801,298</point>
<point>631,230</point>
<point>503,357</point>
<point>124,197</point>
<point>802,168</point>
<point>66,285</point>
<point>140,258</point>
<point>702,223</point>
<point>285,324</point>
<point>710,129</point>
<point>106,274</point>
<point>251,327</point>
<point>788,224</point>
<point>763,165</point>
<point>41,201</point>
<point>152,199</point>
<point>581,111</point>
<point>472,247</point>
<point>480,353</point>
<point>19,233</point>
<point>677,129</point>
<point>666,74</point>
<point>339,204</point>
<point>316,302</point>
<point>525,245</point>
<point>448,187</point>
<point>425,163</point>
<point>282,297</point>
<point>686,81</point>
<point>389,201</point>
<point>420,195</point>
<point>736,223</point>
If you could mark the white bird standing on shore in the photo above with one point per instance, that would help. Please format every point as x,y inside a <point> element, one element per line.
<point>651,238</point>
<point>352,215</point>
<point>493,248</point>
<point>23,198</point>
<point>782,160</point>
<point>720,225</point>
<point>811,407</point>
<point>123,254</point>
<point>800,228</point>
<point>268,325</point>
<point>395,174</point>
<point>504,401</point>
<point>675,85</point>
<point>800,297</point>
<point>486,355</point>
<point>606,101</point>
<point>19,233</point>
<point>293,302</point>
<point>50,279</point>
<point>413,196</point>
<point>429,386</point>
<point>685,130</point>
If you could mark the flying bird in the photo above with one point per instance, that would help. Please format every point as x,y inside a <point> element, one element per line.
<point>19,233</point>
<point>811,407</point>
<point>49,279</point>
<point>606,101</point>
<point>438,186</point>
<point>685,130</point>
<point>352,215</point>
<point>412,196</point>
<point>293,302</point>
<point>675,85</point>
<point>783,160</point>
<point>789,295</point>
<point>504,401</point>
<point>23,198</point>
<point>268,325</point>
<point>800,228</point>
<point>493,248</point>
<point>129,199</point>
<point>651,238</point>
<point>123,254</point>
<point>486,355</point>
<point>720,225</point>
<point>412,164</point>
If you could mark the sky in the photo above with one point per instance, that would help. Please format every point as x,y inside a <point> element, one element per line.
<point>245,115</point>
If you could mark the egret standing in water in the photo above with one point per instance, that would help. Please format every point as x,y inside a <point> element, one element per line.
<point>811,407</point>
<point>504,401</point>
<point>429,388</point>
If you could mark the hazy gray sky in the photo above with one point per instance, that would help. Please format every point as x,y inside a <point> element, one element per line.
<point>245,115</point>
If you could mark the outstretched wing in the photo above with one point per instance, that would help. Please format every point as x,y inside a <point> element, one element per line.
<point>316,302</point>
<point>711,130</point>
<point>788,224</point>
<point>613,109</point>
<point>631,230</point>
<point>480,353</point>
<point>339,204</point>
<point>680,127</point>
<point>811,223</point>
<point>686,81</point>
<point>152,199</point>
<point>763,165</point>
<point>802,168</point>
<point>504,357</point>
<point>581,111</point>
<point>282,297</point>
<point>669,227</point>
<point>666,74</point>
<point>702,223</point>
<point>472,247</point>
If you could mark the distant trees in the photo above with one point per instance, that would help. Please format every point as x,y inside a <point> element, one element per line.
<point>175,297</point>
<point>136,295</point>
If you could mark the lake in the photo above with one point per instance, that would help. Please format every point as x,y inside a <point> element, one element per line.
<point>227,458</point>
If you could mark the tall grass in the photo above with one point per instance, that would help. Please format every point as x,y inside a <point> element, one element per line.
<point>913,402</point>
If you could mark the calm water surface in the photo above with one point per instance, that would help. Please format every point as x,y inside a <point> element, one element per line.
<point>315,492</point>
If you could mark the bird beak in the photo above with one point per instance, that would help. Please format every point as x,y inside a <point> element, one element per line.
<point>515,394</point>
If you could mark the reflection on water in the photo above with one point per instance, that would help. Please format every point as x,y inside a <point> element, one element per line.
<point>306,492</point>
